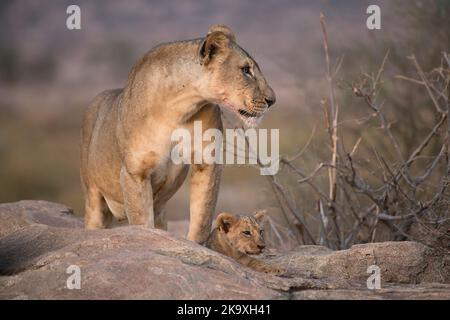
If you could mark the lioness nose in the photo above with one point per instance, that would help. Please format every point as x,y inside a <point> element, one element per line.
<point>270,101</point>
<point>261,246</point>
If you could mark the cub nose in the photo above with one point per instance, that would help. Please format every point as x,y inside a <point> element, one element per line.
<point>270,101</point>
<point>260,247</point>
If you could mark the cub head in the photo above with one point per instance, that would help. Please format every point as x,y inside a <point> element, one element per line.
<point>234,79</point>
<point>244,233</point>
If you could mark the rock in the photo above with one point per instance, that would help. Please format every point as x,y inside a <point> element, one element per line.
<point>127,262</point>
<point>40,240</point>
<point>14,216</point>
<point>392,292</point>
<point>399,262</point>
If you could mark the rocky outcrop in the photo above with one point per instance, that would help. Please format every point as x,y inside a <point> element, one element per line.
<point>399,262</point>
<point>40,240</point>
<point>17,215</point>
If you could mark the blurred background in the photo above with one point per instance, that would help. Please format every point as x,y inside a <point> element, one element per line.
<point>49,74</point>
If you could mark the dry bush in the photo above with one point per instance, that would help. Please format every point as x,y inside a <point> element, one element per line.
<point>392,195</point>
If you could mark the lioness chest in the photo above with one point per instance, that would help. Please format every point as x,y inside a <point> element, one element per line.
<point>167,176</point>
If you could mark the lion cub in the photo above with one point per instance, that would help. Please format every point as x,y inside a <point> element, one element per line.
<point>240,236</point>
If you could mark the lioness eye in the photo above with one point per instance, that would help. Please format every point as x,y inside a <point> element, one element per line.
<point>246,70</point>
<point>246,232</point>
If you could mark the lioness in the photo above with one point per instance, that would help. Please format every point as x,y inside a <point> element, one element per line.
<point>126,168</point>
<point>238,236</point>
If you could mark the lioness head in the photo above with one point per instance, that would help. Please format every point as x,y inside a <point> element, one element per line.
<point>244,233</point>
<point>234,79</point>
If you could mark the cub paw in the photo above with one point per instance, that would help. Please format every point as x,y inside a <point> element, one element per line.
<point>276,271</point>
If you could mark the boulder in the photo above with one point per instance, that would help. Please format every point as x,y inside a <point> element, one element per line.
<point>41,241</point>
<point>17,215</point>
<point>399,262</point>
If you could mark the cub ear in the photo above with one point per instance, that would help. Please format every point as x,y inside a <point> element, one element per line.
<point>260,215</point>
<point>225,220</point>
<point>216,43</point>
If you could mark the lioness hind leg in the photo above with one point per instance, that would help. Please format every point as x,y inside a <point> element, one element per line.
<point>97,214</point>
<point>160,219</point>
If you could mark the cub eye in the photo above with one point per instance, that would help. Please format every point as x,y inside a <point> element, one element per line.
<point>246,233</point>
<point>246,71</point>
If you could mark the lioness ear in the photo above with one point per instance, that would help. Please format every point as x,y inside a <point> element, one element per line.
<point>216,43</point>
<point>225,220</point>
<point>260,215</point>
<point>224,29</point>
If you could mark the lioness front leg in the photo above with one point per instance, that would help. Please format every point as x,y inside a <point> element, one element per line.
<point>205,181</point>
<point>138,198</point>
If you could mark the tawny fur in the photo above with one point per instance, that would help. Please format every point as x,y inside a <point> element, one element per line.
<point>126,170</point>
<point>239,236</point>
